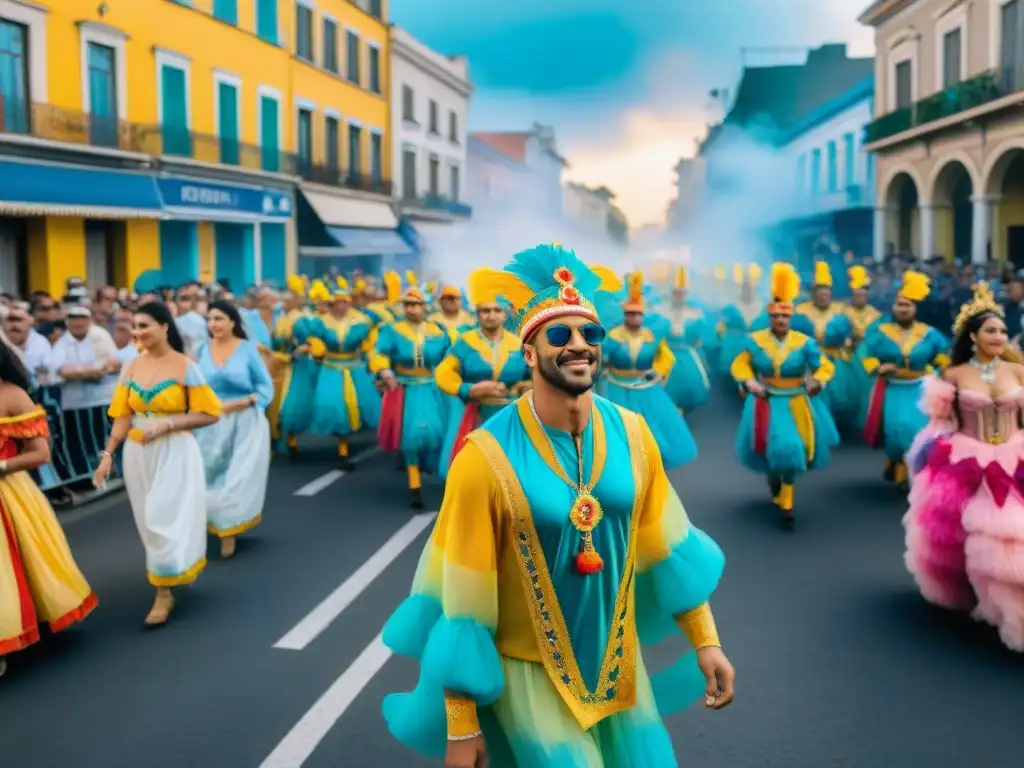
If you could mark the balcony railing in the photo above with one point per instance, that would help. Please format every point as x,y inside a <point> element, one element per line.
<point>439,203</point>
<point>45,121</point>
<point>965,95</point>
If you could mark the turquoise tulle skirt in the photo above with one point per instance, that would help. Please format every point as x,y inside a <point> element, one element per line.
<point>902,418</point>
<point>346,401</point>
<point>661,414</point>
<point>733,342</point>
<point>843,395</point>
<point>423,425</point>
<point>297,403</point>
<point>769,442</point>
<point>688,385</point>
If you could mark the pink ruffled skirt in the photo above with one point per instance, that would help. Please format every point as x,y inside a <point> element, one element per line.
<point>965,529</point>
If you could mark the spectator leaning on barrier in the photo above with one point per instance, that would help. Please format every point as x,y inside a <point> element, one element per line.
<point>124,339</point>
<point>35,348</point>
<point>85,358</point>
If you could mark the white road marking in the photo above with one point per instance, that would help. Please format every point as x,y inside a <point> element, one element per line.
<point>304,737</point>
<point>314,487</point>
<point>317,620</point>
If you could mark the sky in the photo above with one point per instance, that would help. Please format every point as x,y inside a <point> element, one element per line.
<point>627,91</point>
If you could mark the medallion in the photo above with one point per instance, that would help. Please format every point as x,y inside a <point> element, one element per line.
<point>585,514</point>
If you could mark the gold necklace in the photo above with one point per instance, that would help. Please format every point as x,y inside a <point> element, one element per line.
<point>585,512</point>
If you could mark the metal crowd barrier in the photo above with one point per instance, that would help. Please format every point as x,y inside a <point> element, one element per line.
<point>76,439</point>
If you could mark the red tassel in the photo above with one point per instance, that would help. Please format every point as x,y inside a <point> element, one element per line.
<point>589,561</point>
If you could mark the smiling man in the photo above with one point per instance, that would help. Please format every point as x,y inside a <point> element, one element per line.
<point>524,614</point>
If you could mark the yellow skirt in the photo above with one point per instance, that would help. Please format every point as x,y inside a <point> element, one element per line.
<point>277,368</point>
<point>39,581</point>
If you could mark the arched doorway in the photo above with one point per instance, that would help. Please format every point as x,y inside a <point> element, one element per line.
<point>954,212</point>
<point>1006,187</point>
<point>902,221</point>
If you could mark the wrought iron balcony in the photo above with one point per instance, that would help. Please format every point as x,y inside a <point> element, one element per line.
<point>335,176</point>
<point>965,95</point>
<point>45,121</point>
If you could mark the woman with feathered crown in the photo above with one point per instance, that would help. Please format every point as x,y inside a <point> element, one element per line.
<point>483,372</point>
<point>560,547</point>
<point>638,363</point>
<point>785,429</point>
<point>296,339</point>
<point>688,333</point>
<point>737,319</point>
<point>833,331</point>
<point>965,526</point>
<point>899,352</point>
<point>414,412</point>
<point>346,399</point>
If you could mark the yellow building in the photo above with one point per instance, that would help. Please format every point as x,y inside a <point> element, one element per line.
<point>174,139</point>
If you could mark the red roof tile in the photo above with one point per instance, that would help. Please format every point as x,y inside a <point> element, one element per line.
<point>510,144</point>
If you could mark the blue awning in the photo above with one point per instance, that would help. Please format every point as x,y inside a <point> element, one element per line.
<point>38,189</point>
<point>369,242</point>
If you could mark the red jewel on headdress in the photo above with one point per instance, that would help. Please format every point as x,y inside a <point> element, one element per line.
<point>569,295</point>
<point>564,276</point>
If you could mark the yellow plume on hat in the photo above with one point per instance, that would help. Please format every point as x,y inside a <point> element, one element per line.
<point>682,278</point>
<point>785,282</point>
<point>296,285</point>
<point>859,277</point>
<point>822,273</point>
<point>755,272</point>
<point>916,286</point>
<point>318,292</point>
<point>737,274</point>
<point>411,279</point>
<point>636,287</point>
<point>430,287</point>
<point>342,283</point>
<point>496,282</point>
<point>360,286</point>
<point>393,285</point>
<point>609,280</point>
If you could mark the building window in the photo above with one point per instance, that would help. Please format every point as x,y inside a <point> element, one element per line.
<point>266,20</point>
<point>226,10</point>
<point>174,108</point>
<point>377,157</point>
<point>408,104</point>
<point>303,32</point>
<point>332,138</point>
<point>453,127</point>
<point>374,69</point>
<point>952,52</point>
<point>1011,56</point>
<point>270,132</point>
<point>377,9</point>
<point>816,172</point>
<point>833,167</point>
<point>14,117</point>
<point>904,84</point>
<point>355,150</point>
<point>434,177</point>
<point>227,121</point>
<point>102,61</point>
<point>353,58</point>
<point>850,159</point>
<point>432,113</point>
<point>453,183</point>
<point>409,174</point>
<point>330,46</point>
<point>305,138</point>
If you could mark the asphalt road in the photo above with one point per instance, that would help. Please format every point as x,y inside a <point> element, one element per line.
<point>840,663</point>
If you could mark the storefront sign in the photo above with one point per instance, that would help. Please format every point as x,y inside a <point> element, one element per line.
<point>192,195</point>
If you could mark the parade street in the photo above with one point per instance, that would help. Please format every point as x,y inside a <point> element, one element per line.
<point>273,660</point>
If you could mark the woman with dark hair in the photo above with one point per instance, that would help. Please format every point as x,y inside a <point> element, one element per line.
<point>39,580</point>
<point>965,525</point>
<point>161,398</point>
<point>236,450</point>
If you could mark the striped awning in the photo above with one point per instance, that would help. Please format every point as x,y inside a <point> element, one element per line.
<point>77,211</point>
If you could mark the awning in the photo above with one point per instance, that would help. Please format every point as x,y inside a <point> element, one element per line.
<point>41,189</point>
<point>369,242</point>
<point>338,211</point>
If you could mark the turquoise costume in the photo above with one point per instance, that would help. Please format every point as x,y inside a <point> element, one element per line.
<point>687,334</point>
<point>346,398</point>
<point>536,629</point>
<point>833,331</point>
<point>475,358</point>
<point>735,322</point>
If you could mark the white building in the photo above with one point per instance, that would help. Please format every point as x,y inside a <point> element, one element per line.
<point>534,155</point>
<point>430,95</point>
<point>587,207</point>
<point>690,179</point>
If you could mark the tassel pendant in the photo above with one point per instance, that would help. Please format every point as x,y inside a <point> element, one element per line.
<point>587,559</point>
<point>586,513</point>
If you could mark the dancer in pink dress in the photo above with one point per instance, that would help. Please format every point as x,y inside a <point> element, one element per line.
<point>965,526</point>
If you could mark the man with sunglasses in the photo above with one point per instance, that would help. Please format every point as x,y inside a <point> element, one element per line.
<point>559,537</point>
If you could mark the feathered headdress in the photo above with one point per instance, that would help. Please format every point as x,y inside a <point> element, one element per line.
<point>822,274</point>
<point>542,284</point>
<point>754,273</point>
<point>482,292</point>
<point>785,289</point>
<point>682,281</point>
<point>737,274</point>
<point>915,286</point>
<point>341,290</point>
<point>609,280</point>
<point>859,277</point>
<point>983,301</point>
<point>634,301</point>
<point>393,286</point>
<point>318,292</point>
<point>296,284</point>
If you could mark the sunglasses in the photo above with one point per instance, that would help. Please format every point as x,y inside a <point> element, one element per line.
<point>560,335</point>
